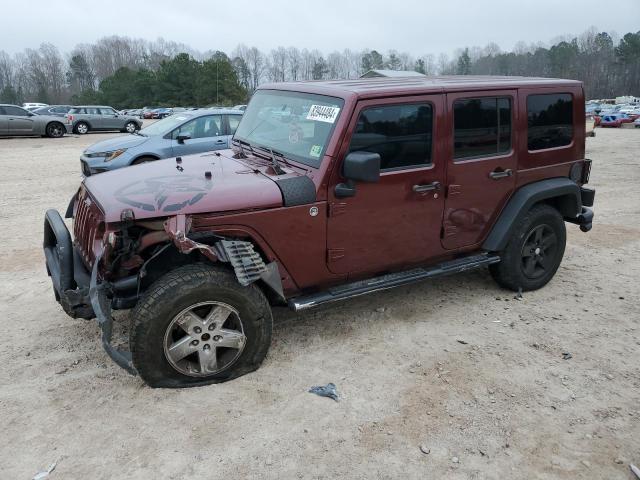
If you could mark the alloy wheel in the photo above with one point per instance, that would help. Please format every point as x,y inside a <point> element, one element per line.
<point>204,339</point>
<point>539,252</point>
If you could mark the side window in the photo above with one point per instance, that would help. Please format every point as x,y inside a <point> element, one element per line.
<point>202,127</point>
<point>92,111</point>
<point>234,121</point>
<point>401,134</point>
<point>2,112</point>
<point>107,111</point>
<point>550,120</point>
<point>15,111</point>
<point>481,127</point>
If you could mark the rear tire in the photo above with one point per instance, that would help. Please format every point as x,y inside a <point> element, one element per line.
<point>173,345</point>
<point>55,130</point>
<point>534,252</point>
<point>81,128</point>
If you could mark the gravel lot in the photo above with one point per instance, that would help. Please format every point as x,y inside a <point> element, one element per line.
<point>455,365</point>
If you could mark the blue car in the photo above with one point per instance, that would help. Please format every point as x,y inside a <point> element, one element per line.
<point>184,133</point>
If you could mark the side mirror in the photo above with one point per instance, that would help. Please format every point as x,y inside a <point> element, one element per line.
<point>182,137</point>
<point>358,167</point>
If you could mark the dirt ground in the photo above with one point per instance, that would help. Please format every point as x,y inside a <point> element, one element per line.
<point>455,365</point>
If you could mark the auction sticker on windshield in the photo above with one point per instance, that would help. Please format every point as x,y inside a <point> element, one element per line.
<point>323,113</point>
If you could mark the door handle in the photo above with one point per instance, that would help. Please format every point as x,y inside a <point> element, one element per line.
<point>220,141</point>
<point>427,187</point>
<point>498,174</point>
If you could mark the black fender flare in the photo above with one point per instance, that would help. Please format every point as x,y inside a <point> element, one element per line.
<point>561,192</point>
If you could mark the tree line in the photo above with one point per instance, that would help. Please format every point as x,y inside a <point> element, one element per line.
<point>126,72</point>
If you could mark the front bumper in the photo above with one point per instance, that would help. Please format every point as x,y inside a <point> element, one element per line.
<point>80,293</point>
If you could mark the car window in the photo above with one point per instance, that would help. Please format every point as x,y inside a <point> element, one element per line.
<point>91,111</point>
<point>234,121</point>
<point>107,111</point>
<point>61,109</point>
<point>2,111</point>
<point>201,127</point>
<point>401,134</point>
<point>15,111</point>
<point>481,127</point>
<point>550,120</point>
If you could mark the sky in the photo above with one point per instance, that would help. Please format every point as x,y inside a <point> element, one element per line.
<point>413,26</point>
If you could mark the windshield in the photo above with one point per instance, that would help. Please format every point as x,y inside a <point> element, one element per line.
<point>297,125</point>
<point>165,125</point>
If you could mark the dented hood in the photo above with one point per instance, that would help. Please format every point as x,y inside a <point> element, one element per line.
<point>166,187</point>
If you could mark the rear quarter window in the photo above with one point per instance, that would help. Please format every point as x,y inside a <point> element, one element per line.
<point>550,120</point>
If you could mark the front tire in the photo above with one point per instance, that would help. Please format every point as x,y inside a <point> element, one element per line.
<point>55,130</point>
<point>197,325</point>
<point>534,252</point>
<point>130,127</point>
<point>82,128</point>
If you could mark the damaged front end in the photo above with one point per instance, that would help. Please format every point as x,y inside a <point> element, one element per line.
<point>108,268</point>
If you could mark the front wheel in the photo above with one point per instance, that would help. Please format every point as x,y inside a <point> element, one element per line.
<point>131,127</point>
<point>534,252</point>
<point>197,325</point>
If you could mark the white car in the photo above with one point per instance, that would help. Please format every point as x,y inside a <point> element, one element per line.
<point>34,106</point>
<point>636,122</point>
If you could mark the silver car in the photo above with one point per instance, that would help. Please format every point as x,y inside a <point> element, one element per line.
<point>86,118</point>
<point>17,121</point>
<point>184,133</point>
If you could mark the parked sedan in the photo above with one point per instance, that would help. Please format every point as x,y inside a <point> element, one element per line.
<point>185,133</point>
<point>17,121</point>
<point>88,118</point>
<point>610,121</point>
<point>55,110</point>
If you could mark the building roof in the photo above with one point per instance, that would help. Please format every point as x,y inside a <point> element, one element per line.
<point>391,74</point>
<point>382,86</point>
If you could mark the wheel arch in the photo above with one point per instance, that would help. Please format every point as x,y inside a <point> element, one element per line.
<point>143,155</point>
<point>561,193</point>
<point>46,126</point>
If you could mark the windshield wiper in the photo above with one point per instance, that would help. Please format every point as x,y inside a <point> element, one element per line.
<point>271,155</point>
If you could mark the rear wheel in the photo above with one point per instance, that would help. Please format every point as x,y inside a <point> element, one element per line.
<point>82,128</point>
<point>55,130</point>
<point>197,325</point>
<point>533,255</point>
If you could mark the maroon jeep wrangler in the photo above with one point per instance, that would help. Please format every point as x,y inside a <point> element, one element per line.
<point>332,190</point>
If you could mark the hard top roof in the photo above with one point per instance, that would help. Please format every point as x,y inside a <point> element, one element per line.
<point>380,86</point>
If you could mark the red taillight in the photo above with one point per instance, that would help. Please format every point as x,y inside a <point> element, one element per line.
<point>70,118</point>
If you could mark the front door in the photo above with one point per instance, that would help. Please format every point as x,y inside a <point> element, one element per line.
<point>482,163</point>
<point>206,134</point>
<point>395,222</point>
<point>19,120</point>
<point>110,119</point>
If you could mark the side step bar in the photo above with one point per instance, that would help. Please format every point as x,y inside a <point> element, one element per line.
<point>391,280</point>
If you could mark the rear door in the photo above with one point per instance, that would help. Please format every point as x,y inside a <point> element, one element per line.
<point>396,221</point>
<point>20,121</point>
<point>482,162</point>
<point>207,133</point>
<point>94,117</point>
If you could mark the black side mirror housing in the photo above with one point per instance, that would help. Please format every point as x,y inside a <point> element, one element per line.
<point>181,138</point>
<point>358,167</point>
<point>362,167</point>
